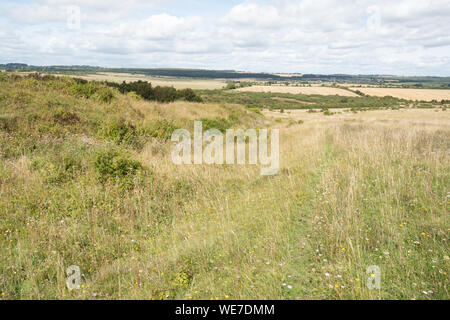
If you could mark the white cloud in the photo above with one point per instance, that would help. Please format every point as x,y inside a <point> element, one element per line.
<point>327,36</point>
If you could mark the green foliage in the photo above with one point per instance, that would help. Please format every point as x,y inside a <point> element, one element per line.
<point>110,164</point>
<point>160,94</point>
<point>218,123</point>
<point>62,116</point>
<point>58,168</point>
<point>286,101</point>
<point>231,85</point>
<point>119,132</point>
<point>104,95</point>
<point>188,95</point>
<point>86,90</point>
<point>82,88</point>
<point>160,129</point>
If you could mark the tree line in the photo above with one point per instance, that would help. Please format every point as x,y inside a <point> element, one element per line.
<point>158,93</point>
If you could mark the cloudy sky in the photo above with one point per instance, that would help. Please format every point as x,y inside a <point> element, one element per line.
<point>402,37</point>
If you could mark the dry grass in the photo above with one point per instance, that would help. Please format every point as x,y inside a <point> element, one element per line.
<point>303,90</point>
<point>409,94</point>
<point>354,190</point>
<point>178,83</point>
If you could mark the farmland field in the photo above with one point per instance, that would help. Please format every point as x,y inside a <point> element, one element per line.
<point>409,94</point>
<point>178,83</point>
<point>303,90</point>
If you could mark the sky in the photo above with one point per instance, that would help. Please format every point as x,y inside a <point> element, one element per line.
<point>402,37</point>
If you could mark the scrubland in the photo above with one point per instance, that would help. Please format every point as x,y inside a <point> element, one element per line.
<point>86,179</point>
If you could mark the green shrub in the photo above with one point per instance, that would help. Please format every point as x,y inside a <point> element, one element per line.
<point>218,123</point>
<point>145,90</point>
<point>119,132</point>
<point>230,85</point>
<point>83,90</point>
<point>57,169</point>
<point>3,76</point>
<point>110,164</point>
<point>189,95</point>
<point>63,116</point>
<point>161,129</point>
<point>104,95</point>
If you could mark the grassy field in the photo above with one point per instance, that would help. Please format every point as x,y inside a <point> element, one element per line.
<point>86,179</point>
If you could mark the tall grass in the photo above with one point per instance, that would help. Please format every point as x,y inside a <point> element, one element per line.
<point>349,195</point>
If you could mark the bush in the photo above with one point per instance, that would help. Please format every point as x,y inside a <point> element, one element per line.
<point>165,94</point>
<point>145,90</point>
<point>112,165</point>
<point>104,95</point>
<point>57,169</point>
<point>161,129</point>
<point>63,116</point>
<point>218,123</point>
<point>83,90</point>
<point>230,86</point>
<point>189,95</point>
<point>119,132</point>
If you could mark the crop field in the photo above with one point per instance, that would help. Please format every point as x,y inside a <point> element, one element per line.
<point>178,83</point>
<point>317,90</point>
<point>409,94</point>
<point>87,179</point>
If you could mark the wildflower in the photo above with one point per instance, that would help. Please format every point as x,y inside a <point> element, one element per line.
<point>227,296</point>
<point>357,280</point>
<point>343,249</point>
<point>289,287</point>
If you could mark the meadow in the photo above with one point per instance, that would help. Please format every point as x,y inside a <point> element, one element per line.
<point>86,179</point>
